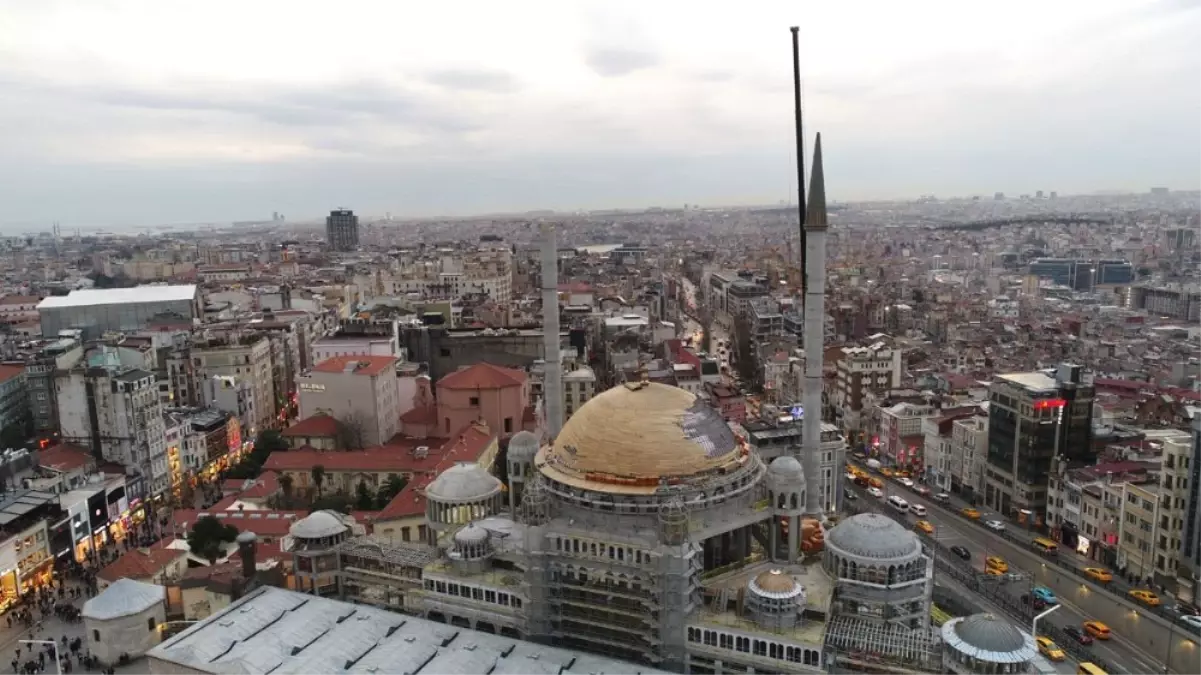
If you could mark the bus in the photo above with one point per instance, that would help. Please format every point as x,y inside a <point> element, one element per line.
<point>898,503</point>
<point>1045,546</point>
<point>1086,668</point>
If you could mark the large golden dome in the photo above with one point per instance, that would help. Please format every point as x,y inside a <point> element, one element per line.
<point>633,436</point>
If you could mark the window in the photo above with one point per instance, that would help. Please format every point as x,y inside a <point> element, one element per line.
<point>474,400</point>
<point>150,624</point>
<point>508,425</point>
<point>95,635</point>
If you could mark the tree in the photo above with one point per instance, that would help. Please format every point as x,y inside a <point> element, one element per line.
<point>251,466</point>
<point>339,501</point>
<point>318,478</point>
<point>285,484</point>
<point>208,537</point>
<point>351,433</point>
<point>389,489</point>
<point>363,499</point>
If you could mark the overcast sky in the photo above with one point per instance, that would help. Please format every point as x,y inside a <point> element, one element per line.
<point>118,112</point>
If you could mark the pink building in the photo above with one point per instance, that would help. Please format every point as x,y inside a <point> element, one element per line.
<point>498,396</point>
<point>728,402</point>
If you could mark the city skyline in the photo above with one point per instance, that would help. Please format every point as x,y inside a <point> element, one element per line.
<point>132,114</point>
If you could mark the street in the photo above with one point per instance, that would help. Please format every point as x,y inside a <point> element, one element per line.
<point>1140,639</point>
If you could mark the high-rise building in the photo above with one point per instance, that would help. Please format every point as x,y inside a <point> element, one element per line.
<point>342,230</point>
<point>1032,418</point>
<point>1190,552</point>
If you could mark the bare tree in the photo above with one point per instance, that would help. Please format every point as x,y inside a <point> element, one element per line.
<point>352,432</point>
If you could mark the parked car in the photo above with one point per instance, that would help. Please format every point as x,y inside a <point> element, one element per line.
<point>961,552</point>
<point>907,482</point>
<point>1192,620</point>
<point>922,490</point>
<point>1098,574</point>
<point>995,525</point>
<point>1078,635</point>
<point>1186,609</point>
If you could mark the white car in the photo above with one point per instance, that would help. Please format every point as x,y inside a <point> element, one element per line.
<point>903,480</point>
<point>1192,620</point>
<point>876,492</point>
<point>995,525</point>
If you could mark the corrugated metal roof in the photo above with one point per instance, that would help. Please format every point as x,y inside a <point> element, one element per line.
<point>119,296</point>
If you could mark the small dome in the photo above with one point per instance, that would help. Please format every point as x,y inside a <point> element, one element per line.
<point>523,446</point>
<point>317,525</point>
<point>471,535</point>
<point>989,633</point>
<point>786,467</point>
<point>465,482</point>
<point>871,535</point>
<point>775,581</point>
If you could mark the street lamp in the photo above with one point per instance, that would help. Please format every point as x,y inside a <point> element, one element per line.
<point>58,664</point>
<point>1034,621</point>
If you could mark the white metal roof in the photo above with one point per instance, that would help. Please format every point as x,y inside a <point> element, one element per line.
<point>273,630</point>
<point>125,597</point>
<point>120,296</point>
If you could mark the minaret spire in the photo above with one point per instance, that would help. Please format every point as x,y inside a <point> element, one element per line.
<point>815,218</point>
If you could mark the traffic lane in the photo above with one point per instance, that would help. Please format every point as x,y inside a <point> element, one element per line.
<point>952,530</point>
<point>1141,635</point>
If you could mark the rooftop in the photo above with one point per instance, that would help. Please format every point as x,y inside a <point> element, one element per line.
<point>1037,382</point>
<point>358,365</point>
<point>120,296</point>
<point>8,372</point>
<point>277,631</point>
<point>483,376</point>
<point>141,563</point>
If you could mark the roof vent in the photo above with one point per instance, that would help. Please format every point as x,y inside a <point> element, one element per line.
<point>421,451</point>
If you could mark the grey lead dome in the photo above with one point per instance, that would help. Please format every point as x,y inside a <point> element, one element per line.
<point>873,536</point>
<point>786,467</point>
<point>463,483</point>
<point>988,633</point>
<point>523,446</point>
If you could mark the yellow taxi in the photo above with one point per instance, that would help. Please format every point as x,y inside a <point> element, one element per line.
<point>993,562</point>
<point>1098,574</point>
<point>1096,629</point>
<point>876,482</point>
<point>994,572</point>
<point>887,472</point>
<point>924,526</point>
<point>969,512</point>
<point>1048,648</point>
<point>1146,597</point>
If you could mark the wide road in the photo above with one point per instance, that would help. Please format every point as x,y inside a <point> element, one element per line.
<point>1141,639</point>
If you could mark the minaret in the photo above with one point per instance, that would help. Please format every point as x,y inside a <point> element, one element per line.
<point>552,386</point>
<point>815,332</point>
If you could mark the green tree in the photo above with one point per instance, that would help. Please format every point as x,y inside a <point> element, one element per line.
<point>389,489</point>
<point>318,474</point>
<point>338,501</point>
<point>364,501</point>
<point>208,537</point>
<point>251,466</point>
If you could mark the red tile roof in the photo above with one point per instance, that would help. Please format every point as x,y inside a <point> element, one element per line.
<point>427,414</point>
<point>363,365</point>
<point>483,376</point>
<point>64,457</point>
<point>263,523</point>
<point>320,426</point>
<point>139,564</point>
<point>9,372</point>
<point>265,485</point>
<point>408,502</point>
<point>466,446</point>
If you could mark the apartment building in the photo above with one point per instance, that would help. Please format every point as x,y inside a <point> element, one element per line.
<point>247,358</point>
<point>115,412</point>
<point>1175,488</point>
<point>56,357</point>
<point>14,398</point>
<point>969,454</point>
<point>487,271</point>
<point>361,392</point>
<point>1189,578</point>
<point>579,386</point>
<point>1085,506</point>
<point>360,337</point>
<point>901,433</point>
<point>939,447</point>
<point>875,368</point>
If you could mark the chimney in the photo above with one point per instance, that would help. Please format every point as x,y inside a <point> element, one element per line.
<point>247,546</point>
<point>814,332</point>
<point>552,387</point>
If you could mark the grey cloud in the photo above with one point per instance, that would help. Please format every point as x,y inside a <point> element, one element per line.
<point>493,81</point>
<point>612,62</point>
